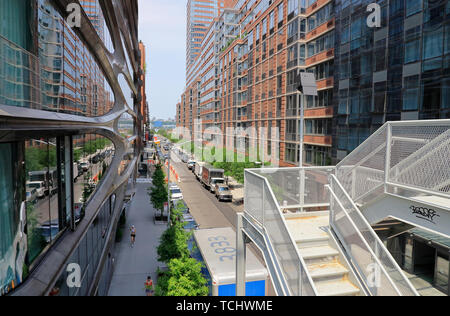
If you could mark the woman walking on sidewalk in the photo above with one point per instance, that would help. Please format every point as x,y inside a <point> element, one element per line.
<point>149,287</point>
<point>133,235</point>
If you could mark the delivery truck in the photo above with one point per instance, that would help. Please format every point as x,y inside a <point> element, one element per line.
<point>50,179</point>
<point>216,250</point>
<point>198,168</point>
<point>212,176</point>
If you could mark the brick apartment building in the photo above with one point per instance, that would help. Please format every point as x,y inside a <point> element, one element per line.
<point>245,76</point>
<point>252,53</point>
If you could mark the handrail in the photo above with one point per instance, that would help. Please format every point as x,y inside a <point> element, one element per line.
<point>363,240</point>
<point>301,264</point>
<point>270,253</point>
<point>378,242</point>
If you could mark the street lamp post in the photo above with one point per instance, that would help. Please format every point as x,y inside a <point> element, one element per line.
<point>307,86</point>
<point>168,188</point>
<point>302,128</point>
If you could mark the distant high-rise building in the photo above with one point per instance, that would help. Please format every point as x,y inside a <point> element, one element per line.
<point>200,14</point>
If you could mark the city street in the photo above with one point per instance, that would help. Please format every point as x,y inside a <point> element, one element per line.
<point>206,209</point>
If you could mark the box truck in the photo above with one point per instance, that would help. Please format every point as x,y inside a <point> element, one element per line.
<point>212,176</point>
<point>50,179</point>
<point>198,168</point>
<point>216,250</point>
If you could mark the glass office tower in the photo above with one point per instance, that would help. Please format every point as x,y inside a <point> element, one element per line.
<point>400,71</point>
<point>58,154</point>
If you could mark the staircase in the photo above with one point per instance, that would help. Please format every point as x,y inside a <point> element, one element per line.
<point>329,272</point>
<point>400,175</point>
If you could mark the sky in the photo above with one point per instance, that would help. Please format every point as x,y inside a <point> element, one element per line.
<point>162,29</point>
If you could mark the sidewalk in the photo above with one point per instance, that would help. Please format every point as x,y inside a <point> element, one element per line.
<point>134,265</point>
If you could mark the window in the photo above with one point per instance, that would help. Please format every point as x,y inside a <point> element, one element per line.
<point>10,267</point>
<point>317,155</point>
<point>291,153</point>
<point>272,20</point>
<point>264,27</point>
<point>280,13</point>
<point>318,127</point>
<point>413,6</point>
<point>323,15</point>
<point>292,7</point>
<point>321,44</point>
<point>411,94</point>
<point>412,51</point>
<point>433,44</point>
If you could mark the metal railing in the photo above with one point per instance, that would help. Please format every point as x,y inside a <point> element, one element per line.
<point>262,207</point>
<point>377,268</point>
<point>406,158</point>
<point>401,154</point>
<point>299,188</point>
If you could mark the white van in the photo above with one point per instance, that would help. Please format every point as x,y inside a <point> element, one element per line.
<point>39,186</point>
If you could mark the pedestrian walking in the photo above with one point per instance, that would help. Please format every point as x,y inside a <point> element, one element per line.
<point>149,286</point>
<point>133,235</point>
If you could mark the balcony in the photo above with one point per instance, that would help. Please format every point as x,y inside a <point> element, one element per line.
<point>321,140</point>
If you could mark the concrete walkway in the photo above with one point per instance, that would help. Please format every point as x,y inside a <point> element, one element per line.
<point>134,265</point>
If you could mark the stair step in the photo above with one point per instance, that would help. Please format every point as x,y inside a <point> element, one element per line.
<point>340,287</point>
<point>318,252</point>
<point>327,270</point>
<point>312,242</point>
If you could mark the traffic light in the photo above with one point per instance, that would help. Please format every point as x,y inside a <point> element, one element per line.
<point>307,83</point>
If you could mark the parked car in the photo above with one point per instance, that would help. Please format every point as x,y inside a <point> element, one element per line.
<point>96,159</point>
<point>190,223</point>
<point>181,204</point>
<point>191,164</point>
<point>78,211</point>
<point>84,166</point>
<point>175,194</point>
<point>31,195</point>
<point>80,170</point>
<point>223,193</point>
<point>41,190</point>
<point>49,230</point>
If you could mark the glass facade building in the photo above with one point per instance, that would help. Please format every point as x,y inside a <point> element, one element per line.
<point>59,158</point>
<point>399,71</point>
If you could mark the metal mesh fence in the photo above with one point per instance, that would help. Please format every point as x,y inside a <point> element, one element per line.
<point>421,156</point>
<point>285,184</point>
<point>254,191</point>
<point>298,187</point>
<point>316,180</point>
<point>418,155</point>
<point>363,170</point>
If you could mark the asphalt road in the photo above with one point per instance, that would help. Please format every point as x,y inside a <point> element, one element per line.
<point>206,209</point>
